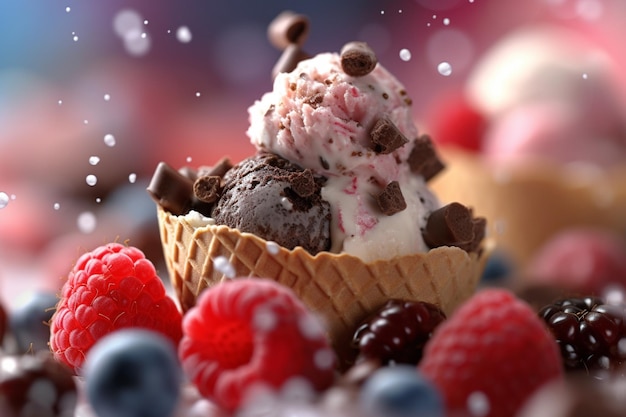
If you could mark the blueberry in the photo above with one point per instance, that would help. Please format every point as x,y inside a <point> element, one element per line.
<point>498,268</point>
<point>29,322</point>
<point>132,373</point>
<point>400,391</point>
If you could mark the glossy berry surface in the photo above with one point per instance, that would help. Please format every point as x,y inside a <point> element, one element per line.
<point>491,355</point>
<point>35,385</point>
<point>29,322</point>
<point>590,334</point>
<point>251,332</point>
<point>398,332</point>
<point>132,373</point>
<point>400,391</point>
<point>110,288</point>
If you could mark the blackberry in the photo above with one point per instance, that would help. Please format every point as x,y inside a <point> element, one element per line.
<point>590,334</point>
<point>397,332</point>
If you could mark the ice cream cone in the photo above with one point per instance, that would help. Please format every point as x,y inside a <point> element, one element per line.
<point>527,203</point>
<point>340,288</point>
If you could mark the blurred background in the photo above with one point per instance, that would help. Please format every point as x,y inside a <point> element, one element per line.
<point>94,94</point>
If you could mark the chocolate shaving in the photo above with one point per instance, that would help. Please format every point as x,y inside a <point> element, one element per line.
<point>289,59</point>
<point>390,200</point>
<point>303,183</point>
<point>288,28</point>
<point>454,225</point>
<point>358,59</point>
<point>423,159</point>
<point>208,188</point>
<point>386,137</point>
<point>170,189</point>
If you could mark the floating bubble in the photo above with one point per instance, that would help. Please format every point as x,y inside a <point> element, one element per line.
<point>145,22</point>
<point>56,206</point>
<point>405,54</point>
<point>107,97</point>
<point>183,34</point>
<point>68,9</point>
<point>98,200</point>
<point>585,76</point>
<point>4,199</point>
<point>132,178</point>
<point>188,159</point>
<point>60,102</point>
<point>94,160</point>
<point>91,180</point>
<point>109,140</point>
<point>86,222</point>
<point>446,21</point>
<point>444,68</point>
<point>74,37</point>
<point>197,94</point>
<point>137,43</point>
<point>125,21</point>
<point>86,122</point>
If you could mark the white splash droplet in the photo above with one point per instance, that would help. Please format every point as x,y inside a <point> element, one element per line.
<point>132,178</point>
<point>197,94</point>
<point>478,404</point>
<point>98,200</point>
<point>86,222</point>
<point>272,247</point>
<point>183,34</point>
<point>56,206</point>
<point>264,319</point>
<point>107,97</point>
<point>405,54</point>
<point>189,159</point>
<point>223,265</point>
<point>68,9</point>
<point>444,68</point>
<point>109,140</point>
<point>446,21</point>
<point>74,37</point>
<point>94,160</point>
<point>126,21</point>
<point>86,122</point>
<point>324,359</point>
<point>60,102</point>
<point>145,22</point>
<point>4,199</point>
<point>91,180</point>
<point>585,76</point>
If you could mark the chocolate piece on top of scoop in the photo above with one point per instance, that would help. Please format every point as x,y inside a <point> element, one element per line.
<point>423,159</point>
<point>207,188</point>
<point>288,28</point>
<point>170,189</point>
<point>386,137</point>
<point>390,200</point>
<point>453,225</point>
<point>219,169</point>
<point>303,184</point>
<point>289,59</point>
<point>358,59</point>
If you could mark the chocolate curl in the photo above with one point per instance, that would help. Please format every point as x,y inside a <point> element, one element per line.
<point>386,137</point>
<point>288,28</point>
<point>423,159</point>
<point>390,200</point>
<point>289,59</point>
<point>358,59</point>
<point>208,188</point>
<point>454,225</point>
<point>171,189</point>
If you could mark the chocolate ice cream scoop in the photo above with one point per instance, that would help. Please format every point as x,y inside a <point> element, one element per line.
<point>277,200</point>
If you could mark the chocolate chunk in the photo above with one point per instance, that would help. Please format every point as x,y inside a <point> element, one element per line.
<point>207,188</point>
<point>386,137</point>
<point>171,189</point>
<point>219,169</point>
<point>304,184</point>
<point>358,59</point>
<point>390,200</point>
<point>451,225</point>
<point>480,229</point>
<point>423,159</point>
<point>289,59</point>
<point>288,28</point>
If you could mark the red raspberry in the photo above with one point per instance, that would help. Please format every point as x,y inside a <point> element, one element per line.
<point>251,333</point>
<point>110,288</point>
<point>491,355</point>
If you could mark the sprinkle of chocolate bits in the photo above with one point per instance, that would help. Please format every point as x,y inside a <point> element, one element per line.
<point>207,188</point>
<point>423,159</point>
<point>288,28</point>
<point>358,59</point>
<point>454,225</point>
<point>390,200</point>
<point>386,137</point>
<point>170,189</point>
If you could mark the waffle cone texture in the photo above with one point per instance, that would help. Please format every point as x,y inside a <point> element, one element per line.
<point>340,288</point>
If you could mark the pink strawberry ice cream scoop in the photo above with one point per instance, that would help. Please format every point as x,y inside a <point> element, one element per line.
<point>346,118</point>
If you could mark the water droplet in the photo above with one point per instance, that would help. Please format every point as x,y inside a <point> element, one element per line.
<point>197,94</point>
<point>132,178</point>
<point>56,206</point>
<point>98,200</point>
<point>68,9</point>
<point>446,21</point>
<point>145,22</point>
<point>86,222</point>
<point>382,12</point>
<point>109,140</point>
<point>444,69</point>
<point>91,180</point>
<point>94,160</point>
<point>74,36</point>
<point>107,97</point>
<point>4,199</point>
<point>405,54</point>
<point>183,34</point>
<point>400,11</point>
<point>434,16</point>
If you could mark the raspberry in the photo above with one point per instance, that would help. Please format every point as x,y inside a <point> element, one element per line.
<point>110,288</point>
<point>397,332</point>
<point>491,355</point>
<point>590,333</point>
<point>251,333</point>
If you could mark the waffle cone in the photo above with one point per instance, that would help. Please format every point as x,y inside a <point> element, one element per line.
<point>340,288</point>
<point>528,203</point>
